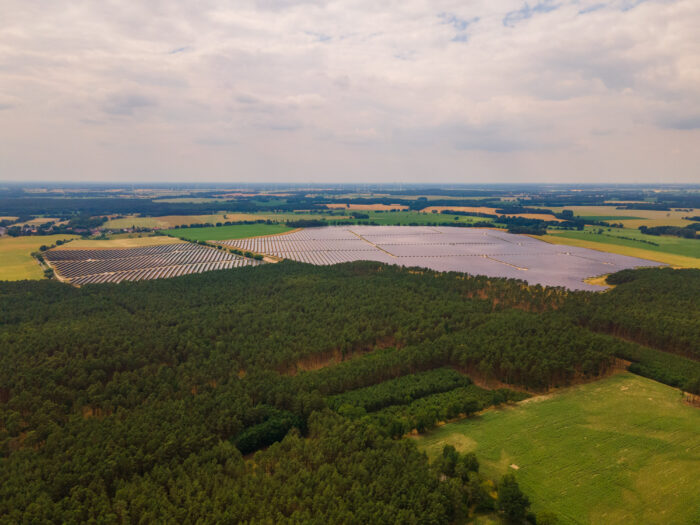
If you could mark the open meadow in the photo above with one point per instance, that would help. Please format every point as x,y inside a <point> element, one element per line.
<point>234,231</point>
<point>632,218</point>
<point>119,241</point>
<point>675,251</point>
<point>620,450</point>
<point>395,218</point>
<point>17,261</point>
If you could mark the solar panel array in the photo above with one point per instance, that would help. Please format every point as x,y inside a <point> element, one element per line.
<point>478,251</point>
<point>135,264</point>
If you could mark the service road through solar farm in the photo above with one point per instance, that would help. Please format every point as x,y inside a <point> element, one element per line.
<point>113,265</point>
<point>477,251</point>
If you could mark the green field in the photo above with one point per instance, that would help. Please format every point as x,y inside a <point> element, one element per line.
<point>221,233</point>
<point>630,238</point>
<point>16,261</point>
<point>395,218</point>
<point>621,450</point>
<point>634,218</point>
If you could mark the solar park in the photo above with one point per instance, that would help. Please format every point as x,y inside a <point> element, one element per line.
<point>112,265</point>
<point>478,251</point>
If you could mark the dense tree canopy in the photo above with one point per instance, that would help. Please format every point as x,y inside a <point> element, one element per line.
<point>135,402</point>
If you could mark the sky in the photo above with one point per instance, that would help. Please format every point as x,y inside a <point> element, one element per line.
<point>408,91</point>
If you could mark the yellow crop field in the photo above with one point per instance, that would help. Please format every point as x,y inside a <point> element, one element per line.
<point>648,218</point>
<point>16,261</point>
<point>170,221</point>
<point>120,242</point>
<point>491,211</point>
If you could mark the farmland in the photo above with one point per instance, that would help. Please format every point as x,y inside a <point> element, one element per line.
<point>621,450</point>
<point>490,211</point>
<point>633,218</point>
<point>167,221</point>
<point>170,221</point>
<point>472,250</point>
<point>405,218</point>
<point>234,231</point>
<point>118,241</point>
<point>670,250</point>
<point>17,262</point>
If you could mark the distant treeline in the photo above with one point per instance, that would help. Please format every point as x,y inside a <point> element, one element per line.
<point>686,232</point>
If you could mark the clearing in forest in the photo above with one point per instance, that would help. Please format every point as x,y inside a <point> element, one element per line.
<point>621,450</point>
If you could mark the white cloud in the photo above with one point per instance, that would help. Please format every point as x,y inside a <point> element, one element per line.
<point>311,90</point>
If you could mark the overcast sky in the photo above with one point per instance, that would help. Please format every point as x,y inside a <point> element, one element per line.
<point>359,91</point>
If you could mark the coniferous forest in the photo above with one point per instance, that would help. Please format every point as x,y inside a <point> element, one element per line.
<point>280,394</point>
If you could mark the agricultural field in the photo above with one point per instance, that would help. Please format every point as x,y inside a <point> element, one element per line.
<point>633,218</point>
<point>675,251</point>
<point>170,221</point>
<point>620,450</point>
<point>126,240</point>
<point>167,221</point>
<point>405,218</point>
<point>37,221</point>
<point>17,261</point>
<point>478,251</point>
<point>234,231</point>
<point>90,266</point>
<point>492,211</point>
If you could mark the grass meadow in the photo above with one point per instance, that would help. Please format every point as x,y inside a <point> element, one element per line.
<point>675,251</point>
<point>621,450</point>
<point>404,218</point>
<point>235,231</point>
<point>633,218</point>
<point>118,241</point>
<point>17,262</point>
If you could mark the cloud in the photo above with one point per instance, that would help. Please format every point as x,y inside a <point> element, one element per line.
<point>684,123</point>
<point>525,12</point>
<point>126,104</point>
<point>591,8</point>
<point>331,90</point>
<point>460,25</point>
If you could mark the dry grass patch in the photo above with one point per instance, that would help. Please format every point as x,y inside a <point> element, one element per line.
<point>16,261</point>
<point>121,242</point>
<point>648,218</point>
